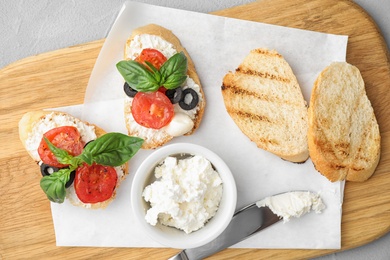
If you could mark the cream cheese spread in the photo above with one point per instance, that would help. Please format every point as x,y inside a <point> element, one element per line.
<point>54,120</point>
<point>178,128</point>
<point>293,204</point>
<point>185,195</point>
<point>143,41</point>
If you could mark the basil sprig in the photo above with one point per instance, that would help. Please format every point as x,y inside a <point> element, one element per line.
<point>171,74</point>
<point>112,149</point>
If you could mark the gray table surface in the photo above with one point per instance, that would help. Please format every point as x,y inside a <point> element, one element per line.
<point>32,27</point>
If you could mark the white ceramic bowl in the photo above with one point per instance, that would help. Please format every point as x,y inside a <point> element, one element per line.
<point>172,237</point>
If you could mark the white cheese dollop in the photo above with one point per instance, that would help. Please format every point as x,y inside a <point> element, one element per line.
<point>293,204</point>
<point>185,195</point>
<point>180,124</point>
<point>138,43</point>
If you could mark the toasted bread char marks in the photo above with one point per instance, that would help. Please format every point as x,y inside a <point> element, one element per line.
<point>343,136</point>
<point>155,138</point>
<point>264,99</point>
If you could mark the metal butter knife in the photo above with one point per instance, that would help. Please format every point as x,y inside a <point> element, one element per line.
<point>245,222</point>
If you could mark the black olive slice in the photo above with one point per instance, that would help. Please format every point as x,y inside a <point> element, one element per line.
<point>194,100</point>
<point>71,179</point>
<point>47,169</point>
<point>129,90</point>
<point>174,95</point>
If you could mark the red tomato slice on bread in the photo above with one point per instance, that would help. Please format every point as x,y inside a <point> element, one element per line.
<point>65,137</point>
<point>152,109</point>
<point>153,56</point>
<point>95,183</point>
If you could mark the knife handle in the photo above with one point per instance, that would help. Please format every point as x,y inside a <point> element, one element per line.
<point>180,256</point>
<point>244,223</point>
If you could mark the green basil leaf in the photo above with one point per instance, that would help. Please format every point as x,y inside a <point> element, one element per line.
<point>54,185</point>
<point>174,71</point>
<point>62,155</point>
<point>138,76</point>
<point>111,149</point>
<point>75,162</point>
<point>155,71</point>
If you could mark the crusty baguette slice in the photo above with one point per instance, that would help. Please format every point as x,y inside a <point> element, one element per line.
<point>264,99</point>
<point>28,124</point>
<point>343,135</point>
<point>155,138</point>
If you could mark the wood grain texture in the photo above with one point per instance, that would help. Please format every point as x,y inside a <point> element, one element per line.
<point>26,227</point>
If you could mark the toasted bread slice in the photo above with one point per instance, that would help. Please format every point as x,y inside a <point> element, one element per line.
<point>168,44</point>
<point>264,99</point>
<point>343,135</point>
<point>34,124</point>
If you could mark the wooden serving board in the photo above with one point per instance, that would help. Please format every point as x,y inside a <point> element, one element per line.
<point>59,78</point>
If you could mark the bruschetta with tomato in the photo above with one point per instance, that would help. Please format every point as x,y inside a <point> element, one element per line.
<point>78,161</point>
<point>164,97</point>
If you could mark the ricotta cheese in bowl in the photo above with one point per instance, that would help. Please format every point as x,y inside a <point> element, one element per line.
<point>185,195</point>
<point>183,202</point>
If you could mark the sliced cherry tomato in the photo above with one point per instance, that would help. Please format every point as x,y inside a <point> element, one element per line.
<point>155,57</point>
<point>95,183</point>
<point>65,137</point>
<point>162,90</point>
<point>152,109</point>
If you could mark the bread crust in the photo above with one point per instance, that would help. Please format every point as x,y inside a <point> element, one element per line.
<point>26,126</point>
<point>167,35</point>
<point>343,136</point>
<point>264,99</point>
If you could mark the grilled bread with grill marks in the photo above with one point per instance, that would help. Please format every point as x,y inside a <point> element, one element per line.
<point>264,99</point>
<point>343,135</point>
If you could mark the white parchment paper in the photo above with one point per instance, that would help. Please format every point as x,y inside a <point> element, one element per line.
<point>216,45</point>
